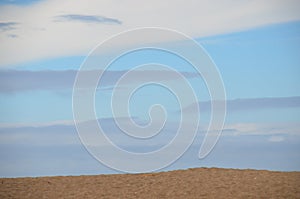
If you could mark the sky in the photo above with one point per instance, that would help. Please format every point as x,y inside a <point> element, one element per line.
<point>254,44</point>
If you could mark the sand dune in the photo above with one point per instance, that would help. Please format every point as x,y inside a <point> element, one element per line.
<point>191,183</point>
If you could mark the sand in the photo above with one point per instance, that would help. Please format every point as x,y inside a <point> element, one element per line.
<point>191,183</point>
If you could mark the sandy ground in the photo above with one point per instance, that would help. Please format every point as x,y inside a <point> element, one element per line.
<point>191,183</point>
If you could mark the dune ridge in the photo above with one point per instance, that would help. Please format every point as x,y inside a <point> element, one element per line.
<point>190,183</point>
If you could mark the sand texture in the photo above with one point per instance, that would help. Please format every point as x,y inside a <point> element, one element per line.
<point>191,183</point>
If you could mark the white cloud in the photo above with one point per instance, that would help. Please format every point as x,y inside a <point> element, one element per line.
<point>273,129</point>
<point>39,35</point>
<point>276,139</point>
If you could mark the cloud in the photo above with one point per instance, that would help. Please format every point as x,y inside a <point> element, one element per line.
<point>64,132</point>
<point>250,104</point>
<point>262,129</point>
<point>12,35</point>
<point>6,26</point>
<point>263,103</point>
<point>276,139</point>
<point>56,150</point>
<point>87,19</point>
<point>36,124</point>
<point>192,17</point>
<point>15,81</point>
<point>50,135</point>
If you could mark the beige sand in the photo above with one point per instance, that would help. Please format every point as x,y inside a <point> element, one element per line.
<point>191,183</point>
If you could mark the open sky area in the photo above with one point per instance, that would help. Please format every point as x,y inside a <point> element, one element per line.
<point>254,44</point>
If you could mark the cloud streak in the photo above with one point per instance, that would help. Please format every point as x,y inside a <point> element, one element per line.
<point>227,16</point>
<point>12,81</point>
<point>250,104</point>
<point>63,133</point>
<point>15,81</point>
<point>6,26</point>
<point>87,19</point>
<point>262,129</point>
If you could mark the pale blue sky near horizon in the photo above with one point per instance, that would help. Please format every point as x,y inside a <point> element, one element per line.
<point>260,68</point>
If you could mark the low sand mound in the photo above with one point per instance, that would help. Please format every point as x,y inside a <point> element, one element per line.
<point>191,183</point>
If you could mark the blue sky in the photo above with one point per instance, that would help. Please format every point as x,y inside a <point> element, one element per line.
<point>258,60</point>
<point>18,2</point>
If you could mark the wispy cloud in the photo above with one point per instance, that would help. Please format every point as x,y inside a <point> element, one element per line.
<point>251,104</point>
<point>263,103</point>
<point>88,19</point>
<point>263,129</point>
<point>6,26</point>
<point>276,139</point>
<point>43,135</point>
<point>54,145</point>
<point>12,35</point>
<point>15,81</point>
<point>64,132</point>
<point>136,14</point>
